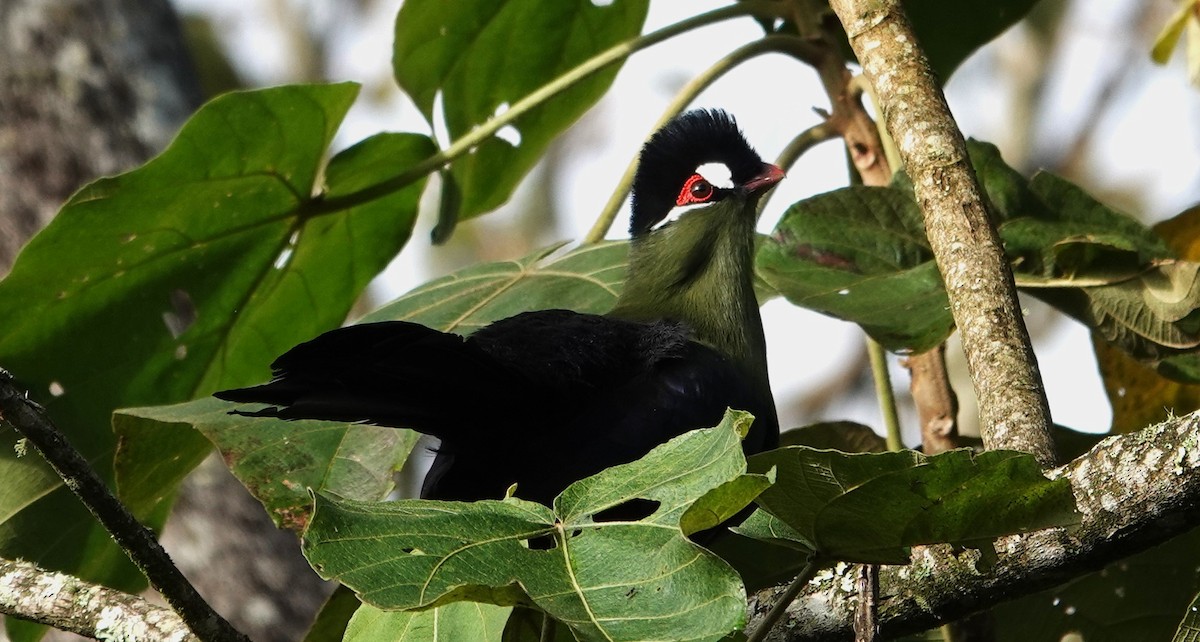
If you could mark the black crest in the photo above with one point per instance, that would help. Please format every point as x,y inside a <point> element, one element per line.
<point>674,152</point>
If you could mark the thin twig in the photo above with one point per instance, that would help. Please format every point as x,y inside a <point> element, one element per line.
<point>136,540</point>
<point>937,405</point>
<point>883,390</point>
<point>781,603</point>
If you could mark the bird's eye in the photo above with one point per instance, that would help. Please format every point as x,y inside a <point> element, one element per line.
<point>695,190</point>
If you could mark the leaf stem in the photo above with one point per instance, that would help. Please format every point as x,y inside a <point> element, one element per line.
<point>887,397</point>
<point>796,148</point>
<point>476,136</point>
<point>795,45</point>
<point>780,606</point>
<point>136,540</point>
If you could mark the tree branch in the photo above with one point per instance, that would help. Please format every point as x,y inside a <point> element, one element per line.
<point>1014,413</point>
<point>1133,491</point>
<point>68,603</point>
<point>136,540</point>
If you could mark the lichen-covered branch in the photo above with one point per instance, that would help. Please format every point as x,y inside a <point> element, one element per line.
<point>70,604</point>
<point>1014,413</point>
<point>135,539</point>
<point>1133,491</point>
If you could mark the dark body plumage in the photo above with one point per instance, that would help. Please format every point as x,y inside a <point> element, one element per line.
<point>545,398</point>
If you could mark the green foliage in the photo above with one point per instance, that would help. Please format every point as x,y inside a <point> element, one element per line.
<point>586,279</point>
<point>630,579</point>
<point>950,30</point>
<point>168,282</point>
<point>449,623</point>
<point>455,53</point>
<point>870,507</point>
<point>860,254</point>
<point>278,461</point>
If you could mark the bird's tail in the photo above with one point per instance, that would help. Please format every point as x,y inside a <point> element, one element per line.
<point>392,373</point>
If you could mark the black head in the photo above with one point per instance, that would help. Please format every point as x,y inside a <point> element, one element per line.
<point>668,162</point>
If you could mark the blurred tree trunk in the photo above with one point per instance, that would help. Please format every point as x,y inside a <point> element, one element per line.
<point>90,88</point>
<point>87,88</point>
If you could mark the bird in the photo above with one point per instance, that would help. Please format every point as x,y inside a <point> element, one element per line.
<point>545,398</point>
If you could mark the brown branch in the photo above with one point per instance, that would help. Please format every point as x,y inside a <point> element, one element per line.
<point>1133,491</point>
<point>1014,412</point>
<point>937,405</point>
<point>136,540</point>
<point>68,603</point>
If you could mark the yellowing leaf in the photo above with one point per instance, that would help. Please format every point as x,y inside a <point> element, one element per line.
<point>1138,394</point>
<point>1186,17</point>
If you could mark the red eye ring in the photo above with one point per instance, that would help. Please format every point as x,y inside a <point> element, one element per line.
<point>696,189</point>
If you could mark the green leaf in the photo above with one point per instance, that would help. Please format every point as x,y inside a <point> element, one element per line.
<point>334,616</point>
<point>278,461</point>
<point>846,436</point>
<point>455,53</point>
<point>1126,285</point>
<point>169,281</point>
<point>450,623</point>
<point>586,279</point>
<point>860,254</point>
<point>1076,234</point>
<point>608,580</point>
<point>871,507</point>
<point>949,30</point>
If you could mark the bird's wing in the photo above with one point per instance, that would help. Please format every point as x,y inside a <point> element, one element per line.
<point>610,391</point>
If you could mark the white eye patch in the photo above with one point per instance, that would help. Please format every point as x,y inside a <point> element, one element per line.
<point>717,174</point>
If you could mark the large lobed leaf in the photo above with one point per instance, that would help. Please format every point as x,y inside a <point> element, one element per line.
<point>585,279</point>
<point>169,281</point>
<point>860,254</point>
<point>486,55</point>
<point>870,507</point>
<point>633,579</point>
<point>279,461</point>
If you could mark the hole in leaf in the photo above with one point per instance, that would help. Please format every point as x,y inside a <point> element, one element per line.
<point>510,135</point>
<point>182,314</point>
<point>545,542</point>
<point>285,255</point>
<point>56,389</point>
<point>630,511</point>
